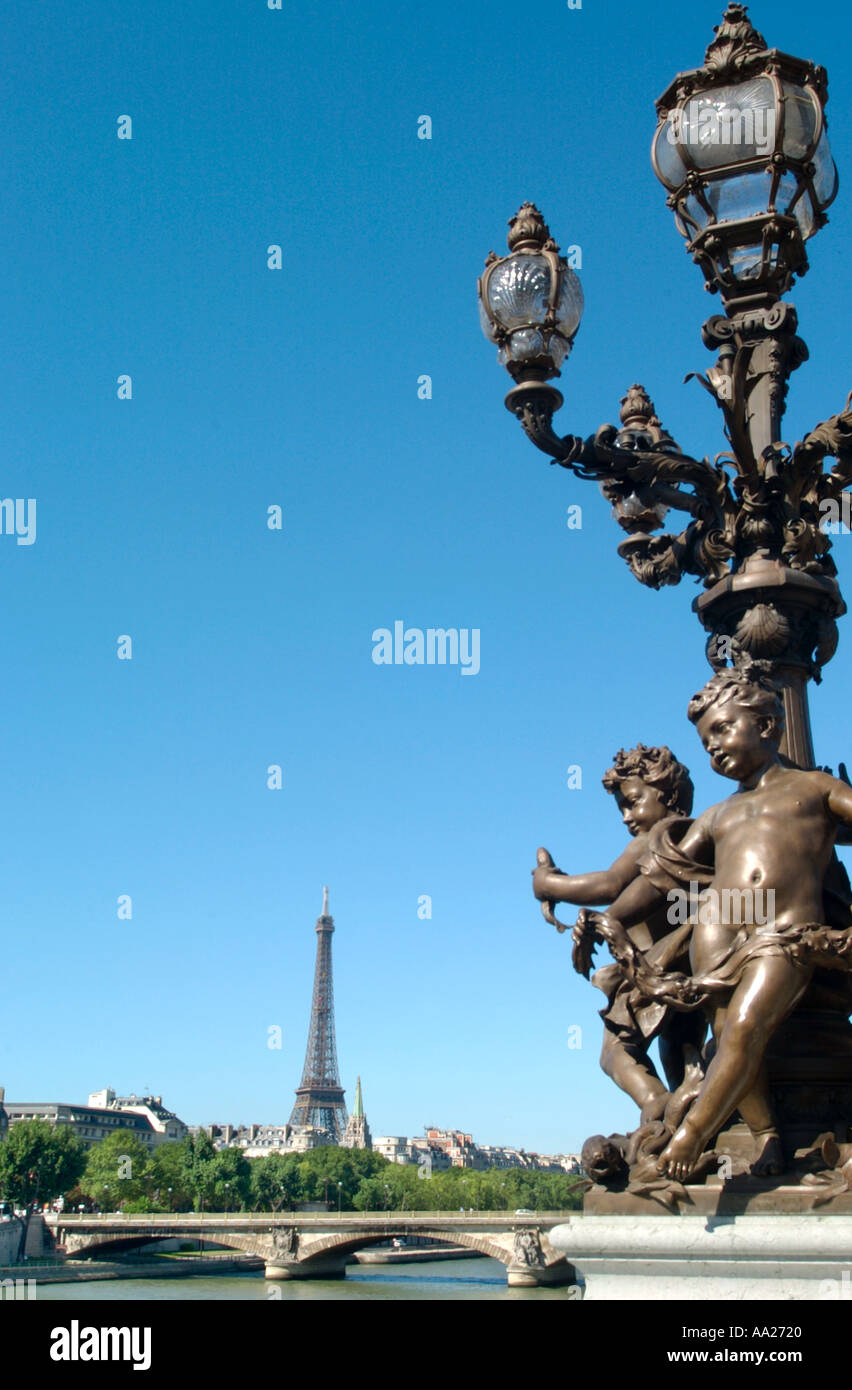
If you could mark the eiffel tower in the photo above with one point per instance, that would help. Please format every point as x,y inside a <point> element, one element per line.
<point>319,1098</point>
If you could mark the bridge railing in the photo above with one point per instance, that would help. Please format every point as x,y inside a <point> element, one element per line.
<point>196,1218</point>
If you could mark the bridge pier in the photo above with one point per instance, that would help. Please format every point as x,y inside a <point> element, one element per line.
<point>541,1276</point>
<point>531,1264</point>
<point>318,1267</point>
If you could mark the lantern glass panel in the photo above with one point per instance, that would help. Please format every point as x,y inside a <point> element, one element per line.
<point>558,349</point>
<point>800,121</point>
<point>747,261</point>
<point>569,304</point>
<point>825,178</point>
<point>696,210</point>
<point>804,214</point>
<point>788,187</point>
<point>519,290</point>
<point>727,125</point>
<point>487,326</point>
<point>523,345</point>
<point>743,195</point>
<point>669,161</point>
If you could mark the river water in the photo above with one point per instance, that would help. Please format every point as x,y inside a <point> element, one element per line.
<point>454,1279</point>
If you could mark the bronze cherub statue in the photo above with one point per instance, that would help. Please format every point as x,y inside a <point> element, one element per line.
<point>651,789</point>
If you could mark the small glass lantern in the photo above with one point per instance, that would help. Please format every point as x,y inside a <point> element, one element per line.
<point>742,147</point>
<point>635,506</point>
<point>530,302</point>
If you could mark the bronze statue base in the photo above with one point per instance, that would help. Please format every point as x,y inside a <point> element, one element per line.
<point>737,1197</point>
<point>817,1178</point>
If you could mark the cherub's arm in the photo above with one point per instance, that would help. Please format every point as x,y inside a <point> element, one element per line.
<point>844,832</point>
<point>641,896</point>
<point>588,890</point>
<point>637,900</point>
<point>839,800</point>
<point>635,903</point>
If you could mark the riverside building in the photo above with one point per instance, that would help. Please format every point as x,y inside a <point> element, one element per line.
<point>105,1114</point>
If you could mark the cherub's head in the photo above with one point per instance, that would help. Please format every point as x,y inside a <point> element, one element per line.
<point>648,784</point>
<point>740,719</point>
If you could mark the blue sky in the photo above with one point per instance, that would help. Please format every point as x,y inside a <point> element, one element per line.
<point>298,388</point>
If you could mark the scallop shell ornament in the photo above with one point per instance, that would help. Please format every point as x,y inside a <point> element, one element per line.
<point>763,631</point>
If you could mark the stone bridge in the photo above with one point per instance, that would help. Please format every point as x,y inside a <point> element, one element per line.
<point>317,1245</point>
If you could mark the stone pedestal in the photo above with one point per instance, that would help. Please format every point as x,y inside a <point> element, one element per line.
<point>786,1257</point>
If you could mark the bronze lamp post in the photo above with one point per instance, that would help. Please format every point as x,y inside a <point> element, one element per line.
<point>742,148</point>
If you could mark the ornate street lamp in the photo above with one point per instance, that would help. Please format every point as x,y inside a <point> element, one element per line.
<point>530,301</point>
<point>742,147</point>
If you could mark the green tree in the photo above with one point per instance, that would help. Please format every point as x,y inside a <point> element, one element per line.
<point>275,1182</point>
<point>230,1180</point>
<point>395,1187</point>
<point>198,1156</point>
<point>172,1190</point>
<point>406,1187</point>
<point>335,1175</point>
<point>39,1162</point>
<point>118,1172</point>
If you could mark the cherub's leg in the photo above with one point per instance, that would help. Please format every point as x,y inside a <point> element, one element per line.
<point>756,1110</point>
<point>770,988</point>
<point>680,1030</point>
<point>630,1067</point>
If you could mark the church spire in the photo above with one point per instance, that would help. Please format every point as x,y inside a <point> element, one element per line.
<point>358,1107</point>
<point>357,1133</point>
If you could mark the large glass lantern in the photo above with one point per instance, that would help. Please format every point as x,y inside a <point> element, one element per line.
<point>742,147</point>
<point>530,302</point>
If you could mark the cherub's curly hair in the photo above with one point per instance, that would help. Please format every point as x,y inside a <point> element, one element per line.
<point>659,768</point>
<point>751,688</point>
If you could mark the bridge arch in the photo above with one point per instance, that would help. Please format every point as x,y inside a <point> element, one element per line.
<point>349,1242</point>
<point>106,1243</point>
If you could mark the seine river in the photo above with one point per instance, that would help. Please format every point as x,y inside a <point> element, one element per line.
<point>453,1279</point>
